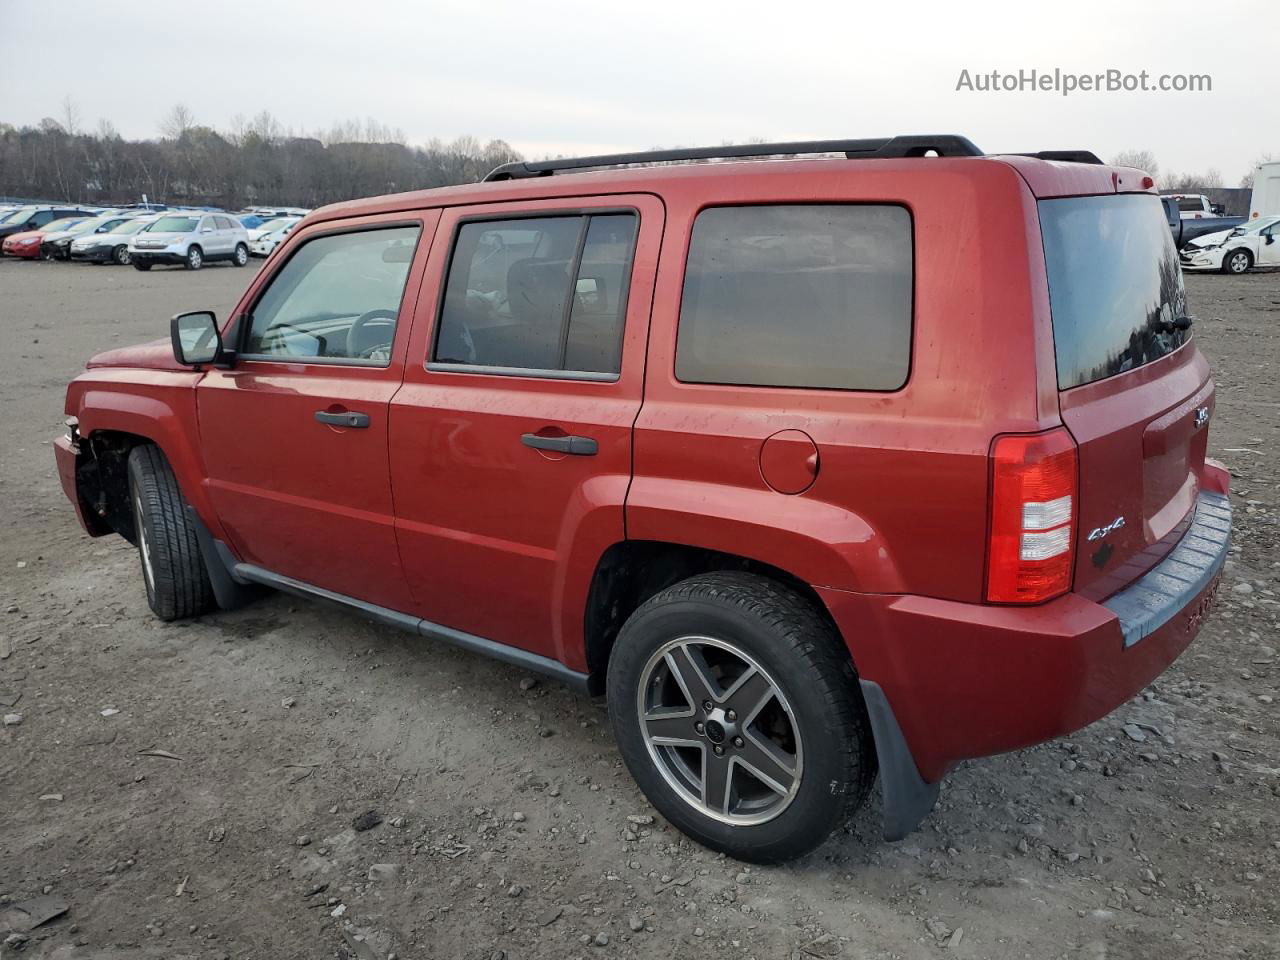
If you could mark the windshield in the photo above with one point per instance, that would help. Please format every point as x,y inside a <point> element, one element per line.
<point>84,226</point>
<point>1115,286</point>
<point>275,224</point>
<point>57,226</point>
<point>19,215</point>
<point>130,227</point>
<point>174,225</point>
<point>1256,226</point>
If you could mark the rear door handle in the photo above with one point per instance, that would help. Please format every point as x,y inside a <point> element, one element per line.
<point>576,446</point>
<point>348,418</point>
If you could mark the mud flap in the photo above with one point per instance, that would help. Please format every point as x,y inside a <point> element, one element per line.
<point>230,591</point>
<point>907,798</point>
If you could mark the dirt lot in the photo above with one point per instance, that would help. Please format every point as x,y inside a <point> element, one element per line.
<point>509,827</point>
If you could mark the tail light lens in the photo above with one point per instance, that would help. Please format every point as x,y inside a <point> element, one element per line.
<point>1033,517</point>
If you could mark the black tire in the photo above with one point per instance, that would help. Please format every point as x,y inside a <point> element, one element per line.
<point>140,265</point>
<point>173,570</point>
<point>241,256</point>
<point>46,252</point>
<point>195,258</point>
<point>1237,262</point>
<point>120,255</point>
<point>791,641</point>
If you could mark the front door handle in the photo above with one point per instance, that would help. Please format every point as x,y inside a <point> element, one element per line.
<point>576,446</point>
<point>348,418</point>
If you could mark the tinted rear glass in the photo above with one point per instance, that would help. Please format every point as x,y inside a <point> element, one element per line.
<point>1115,286</point>
<point>798,296</point>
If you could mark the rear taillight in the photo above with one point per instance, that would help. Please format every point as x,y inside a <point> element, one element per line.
<point>1033,517</point>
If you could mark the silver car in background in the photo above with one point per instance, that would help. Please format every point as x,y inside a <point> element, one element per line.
<point>191,238</point>
<point>111,246</point>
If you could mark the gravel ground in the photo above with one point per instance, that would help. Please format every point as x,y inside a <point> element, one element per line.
<point>189,790</point>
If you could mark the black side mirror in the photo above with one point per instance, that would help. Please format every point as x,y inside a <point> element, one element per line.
<point>1271,238</point>
<point>195,338</point>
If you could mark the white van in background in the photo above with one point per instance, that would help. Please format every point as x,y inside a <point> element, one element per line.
<point>1266,190</point>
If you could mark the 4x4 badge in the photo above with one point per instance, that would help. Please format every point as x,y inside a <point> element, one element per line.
<point>1099,532</point>
<point>1202,416</point>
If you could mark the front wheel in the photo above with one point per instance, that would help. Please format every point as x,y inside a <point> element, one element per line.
<point>1237,261</point>
<point>121,255</point>
<point>173,570</point>
<point>46,252</point>
<point>195,259</point>
<point>141,265</point>
<point>737,711</point>
<point>242,255</point>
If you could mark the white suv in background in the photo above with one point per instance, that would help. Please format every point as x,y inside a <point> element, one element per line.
<point>191,238</point>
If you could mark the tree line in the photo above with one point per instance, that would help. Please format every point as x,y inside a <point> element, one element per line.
<point>1173,182</point>
<point>253,162</point>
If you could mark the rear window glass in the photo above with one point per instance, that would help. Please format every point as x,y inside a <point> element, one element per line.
<point>798,296</point>
<point>1115,287</point>
<point>1190,203</point>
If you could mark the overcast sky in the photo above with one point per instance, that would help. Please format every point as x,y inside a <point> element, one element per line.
<point>553,76</point>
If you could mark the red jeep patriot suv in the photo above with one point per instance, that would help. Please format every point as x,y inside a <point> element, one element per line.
<point>861,456</point>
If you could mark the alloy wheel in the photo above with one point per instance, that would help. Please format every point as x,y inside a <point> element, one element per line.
<point>720,730</point>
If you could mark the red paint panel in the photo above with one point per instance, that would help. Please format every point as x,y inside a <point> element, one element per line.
<point>499,539</point>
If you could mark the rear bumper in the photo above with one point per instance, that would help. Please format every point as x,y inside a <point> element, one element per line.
<point>966,680</point>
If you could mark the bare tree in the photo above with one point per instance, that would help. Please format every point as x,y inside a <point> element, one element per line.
<point>1143,160</point>
<point>177,122</point>
<point>1191,182</point>
<point>70,116</point>
<point>1247,179</point>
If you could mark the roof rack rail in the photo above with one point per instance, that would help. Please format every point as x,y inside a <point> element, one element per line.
<point>1070,156</point>
<point>944,145</point>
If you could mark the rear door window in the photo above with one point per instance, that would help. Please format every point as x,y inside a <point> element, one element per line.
<point>542,294</point>
<point>1115,287</point>
<point>798,296</point>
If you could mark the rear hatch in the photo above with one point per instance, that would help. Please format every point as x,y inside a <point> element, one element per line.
<point>1134,391</point>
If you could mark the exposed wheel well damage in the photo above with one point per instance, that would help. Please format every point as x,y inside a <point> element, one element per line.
<point>102,478</point>
<point>631,572</point>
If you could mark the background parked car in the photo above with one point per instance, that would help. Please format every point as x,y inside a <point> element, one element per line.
<point>190,239</point>
<point>29,244</point>
<point>1256,243</point>
<point>264,243</point>
<point>111,246</point>
<point>56,243</point>
<point>35,217</point>
<point>271,226</point>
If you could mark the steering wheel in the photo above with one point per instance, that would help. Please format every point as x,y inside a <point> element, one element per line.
<point>363,351</point>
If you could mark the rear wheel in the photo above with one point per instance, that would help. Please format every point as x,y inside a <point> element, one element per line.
<point>1237,261</point>
<point>737,710</point>
<point>121,254</point>
<point>172,568</point>
<point>242,255</point>
<point>195,258</point>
